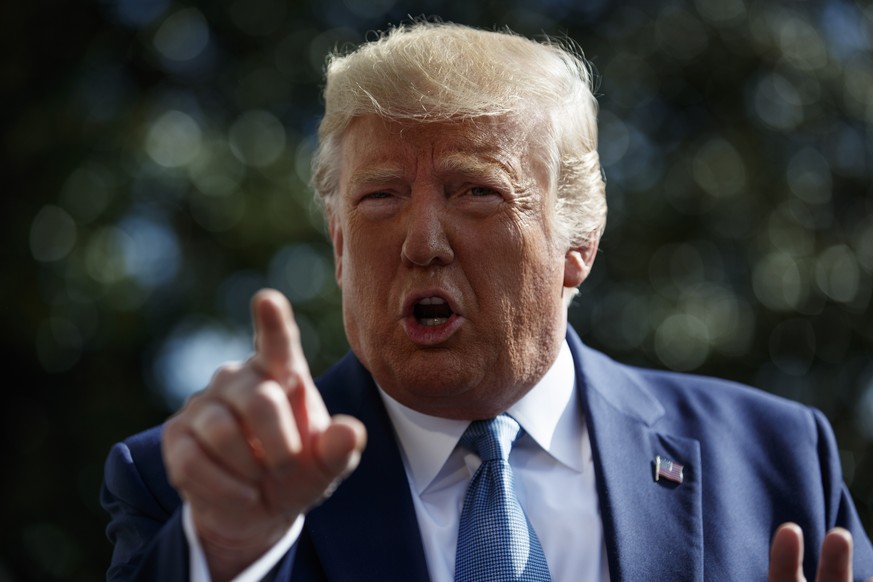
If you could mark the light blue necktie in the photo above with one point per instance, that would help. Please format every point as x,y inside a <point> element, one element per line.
<point>496,542</point>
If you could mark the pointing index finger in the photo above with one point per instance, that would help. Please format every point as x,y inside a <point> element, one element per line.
<point>279,356</point>
<point>278,352</point>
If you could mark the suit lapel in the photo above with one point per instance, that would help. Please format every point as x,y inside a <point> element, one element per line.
<point>367,530</point>
<point>653,530</point>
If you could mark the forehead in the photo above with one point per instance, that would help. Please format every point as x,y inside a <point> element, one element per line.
<point>373,145</point>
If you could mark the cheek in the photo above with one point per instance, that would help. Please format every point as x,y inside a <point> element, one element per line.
<point>520,271</point>
<point>367,270</point>
<point>538,279</point>
<point>531,255</point>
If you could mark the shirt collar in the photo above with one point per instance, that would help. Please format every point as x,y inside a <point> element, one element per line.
<point>549,413</point>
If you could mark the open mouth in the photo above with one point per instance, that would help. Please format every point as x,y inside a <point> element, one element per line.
<point>432,311</point>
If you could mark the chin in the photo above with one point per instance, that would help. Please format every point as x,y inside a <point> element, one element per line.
<point>436,383</point>
<point>458,395</point>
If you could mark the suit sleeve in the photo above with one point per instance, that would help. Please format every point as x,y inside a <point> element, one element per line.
<point>840,508</point>
<point>145,524</point>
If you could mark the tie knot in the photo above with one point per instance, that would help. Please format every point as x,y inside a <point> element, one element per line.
<point>493,438</point>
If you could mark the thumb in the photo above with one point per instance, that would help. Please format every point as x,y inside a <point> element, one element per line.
<point>339,447</point>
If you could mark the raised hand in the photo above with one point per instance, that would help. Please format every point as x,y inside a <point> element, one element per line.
<point>786,556</point>
<point>257,447</point>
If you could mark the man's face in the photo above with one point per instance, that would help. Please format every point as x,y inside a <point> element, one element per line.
<point>449,263</point>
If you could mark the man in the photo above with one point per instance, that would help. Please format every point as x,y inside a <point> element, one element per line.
<point>462,188</point>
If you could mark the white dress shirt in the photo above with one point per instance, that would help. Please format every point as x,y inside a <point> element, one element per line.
<point>551,464</point>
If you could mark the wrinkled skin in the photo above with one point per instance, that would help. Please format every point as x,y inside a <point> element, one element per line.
<point>462,212</point>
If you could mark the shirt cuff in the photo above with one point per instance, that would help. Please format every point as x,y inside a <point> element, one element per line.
<point>199,570</point>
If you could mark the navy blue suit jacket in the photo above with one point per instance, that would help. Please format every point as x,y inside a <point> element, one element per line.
<point>752,461</point>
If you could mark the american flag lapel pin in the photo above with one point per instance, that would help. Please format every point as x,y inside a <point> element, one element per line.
<point>667,469</point>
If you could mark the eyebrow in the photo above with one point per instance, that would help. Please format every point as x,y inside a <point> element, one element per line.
<point>471,166</point>
<point>376,175</point>
<point>462,164</point>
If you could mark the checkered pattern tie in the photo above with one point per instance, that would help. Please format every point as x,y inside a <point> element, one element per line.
<point>496,542</point>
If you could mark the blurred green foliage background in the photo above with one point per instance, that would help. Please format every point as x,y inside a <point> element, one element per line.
<point>155,164</point>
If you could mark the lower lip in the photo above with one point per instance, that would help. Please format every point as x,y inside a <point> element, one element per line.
<point>431,335</point>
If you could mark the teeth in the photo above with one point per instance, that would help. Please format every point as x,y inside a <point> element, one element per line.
<point>432,301</point>
<point>432,311</point>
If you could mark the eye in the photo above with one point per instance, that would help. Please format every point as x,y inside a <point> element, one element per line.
<point>378,204</point>
<point>376,196</point>
<point>479,201</point>
<point>480,191</point>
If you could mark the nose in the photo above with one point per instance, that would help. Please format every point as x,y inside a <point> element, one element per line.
<point>427,242</point>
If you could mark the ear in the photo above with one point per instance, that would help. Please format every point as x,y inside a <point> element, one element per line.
<point>336,238</point>
<point>578,262</point>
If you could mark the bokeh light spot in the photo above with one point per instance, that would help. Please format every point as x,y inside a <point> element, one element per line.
<point>778,281</point>
<point>299,271</point>
<point>183,35</point>
<point>789,229</point>
<point>777,102</point>
<point>216,171</point>
<point>801,45</point>
<point>642,164</point>
<point>847,148</point>
<point>257,138</point>
<point>682,342</point>
<point>105,254</point>
<point>837,273</point>
<point>846,28</point>
<point>150,250</point>
<point>858,81</point>
<point>622,320</point>
<point>719,169</point>
<point>731,322</point>
<point>174,139</point>
<point>614,139</point>
<point>190,355</point>
<point>727,318</point>
<point>88,191</point>
<point>809,176</point>
<point>52,234</point>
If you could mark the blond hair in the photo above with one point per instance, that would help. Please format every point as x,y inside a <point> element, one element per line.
<point>434,71</point>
